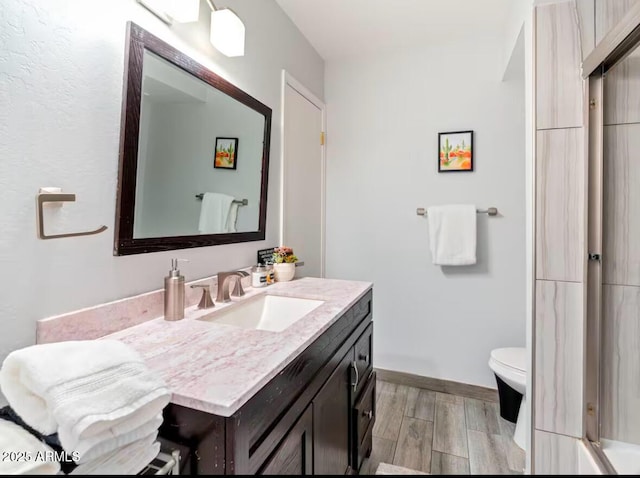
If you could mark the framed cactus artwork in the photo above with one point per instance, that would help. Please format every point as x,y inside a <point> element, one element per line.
<point>455,151</point>
<point>226,153</point>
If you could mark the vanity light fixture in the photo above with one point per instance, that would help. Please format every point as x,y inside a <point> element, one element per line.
<point>227,31</point>
<point>169,11</point>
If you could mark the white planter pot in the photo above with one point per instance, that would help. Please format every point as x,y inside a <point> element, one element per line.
<point>284,272</point>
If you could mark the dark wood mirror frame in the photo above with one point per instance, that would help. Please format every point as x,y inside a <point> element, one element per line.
<point>137,41</point>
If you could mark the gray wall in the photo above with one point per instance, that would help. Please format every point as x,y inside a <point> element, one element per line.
<point>384,115</point>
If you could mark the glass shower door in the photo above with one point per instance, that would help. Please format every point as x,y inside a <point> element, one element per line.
<point>615,347</point>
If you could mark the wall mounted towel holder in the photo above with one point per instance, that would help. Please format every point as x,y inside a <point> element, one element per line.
<point>492,211</point>
<point>58,197</point>
<point>242,202</point>
<point>164,464</point>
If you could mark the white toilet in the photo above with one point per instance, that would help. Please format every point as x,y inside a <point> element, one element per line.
<point>510,367</point>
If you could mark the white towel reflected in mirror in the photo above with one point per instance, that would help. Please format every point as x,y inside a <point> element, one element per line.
<point>218,214</point>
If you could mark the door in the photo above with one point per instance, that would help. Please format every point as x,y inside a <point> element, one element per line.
<point>294,454</point>
<point>303,182</point>
<point>331,416</point>
<point>620,325</point>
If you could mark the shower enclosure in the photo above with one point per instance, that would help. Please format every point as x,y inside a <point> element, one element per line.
<point>612,354</point>
<point>585,334</point>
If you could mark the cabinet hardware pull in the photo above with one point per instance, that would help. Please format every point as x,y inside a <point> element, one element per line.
<point>368,414</point>
<point>355,384</point>
<point>364,357</point>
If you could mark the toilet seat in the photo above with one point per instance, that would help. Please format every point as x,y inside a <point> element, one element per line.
<point>510,364</point>
<point>514,357</point>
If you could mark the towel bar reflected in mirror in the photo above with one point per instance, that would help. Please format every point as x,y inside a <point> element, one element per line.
<point>242,202</point>
<point>492,211</point>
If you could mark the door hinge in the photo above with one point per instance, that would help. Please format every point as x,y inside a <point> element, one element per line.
<point>594,256</point>
<point>322,138</point>
<point>592,103</point>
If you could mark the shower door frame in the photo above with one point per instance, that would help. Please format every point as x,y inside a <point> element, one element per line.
<point>593,296</point>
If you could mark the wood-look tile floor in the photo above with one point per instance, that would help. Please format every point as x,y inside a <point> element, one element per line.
<point>441,434</point>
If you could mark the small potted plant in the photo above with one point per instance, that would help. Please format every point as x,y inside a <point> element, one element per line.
<point>284,263</point>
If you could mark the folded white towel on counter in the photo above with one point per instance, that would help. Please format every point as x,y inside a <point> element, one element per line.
<point>127,460</point>
<point>82,389</point>
<point>93,447</point>
<point>24,454</point>
<point>452,234</point>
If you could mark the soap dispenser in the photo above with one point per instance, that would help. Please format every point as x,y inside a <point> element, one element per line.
<point>174,293</point>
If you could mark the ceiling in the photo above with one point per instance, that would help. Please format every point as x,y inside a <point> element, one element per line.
<point>160,92</point>
<point>341,28</point>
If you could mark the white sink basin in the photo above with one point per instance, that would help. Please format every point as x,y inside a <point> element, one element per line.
<point>265,312</point>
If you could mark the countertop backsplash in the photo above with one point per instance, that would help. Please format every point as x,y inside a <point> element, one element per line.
<point>104,319</point>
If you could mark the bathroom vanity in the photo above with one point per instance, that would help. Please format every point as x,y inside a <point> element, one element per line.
<point>245,401</point>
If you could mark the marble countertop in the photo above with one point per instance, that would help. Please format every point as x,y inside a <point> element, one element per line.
<point>217,368</point>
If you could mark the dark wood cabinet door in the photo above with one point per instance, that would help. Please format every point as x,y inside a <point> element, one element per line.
<point>294,455</point>
<point>331,413</point>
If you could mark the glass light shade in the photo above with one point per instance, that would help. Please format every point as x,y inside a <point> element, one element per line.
<point>227,32</point>
<point>183,11</point>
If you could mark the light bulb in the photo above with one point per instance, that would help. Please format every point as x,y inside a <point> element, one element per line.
<point>227,33</point>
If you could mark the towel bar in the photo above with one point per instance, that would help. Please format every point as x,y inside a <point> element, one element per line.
<point>164,464</point>
<point>492,211</point>
<point>242,202</point>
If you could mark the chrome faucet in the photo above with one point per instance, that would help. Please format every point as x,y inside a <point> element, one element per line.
<point>206,302</point>
<point>223,285</point>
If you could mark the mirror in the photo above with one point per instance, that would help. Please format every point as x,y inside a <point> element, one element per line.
<point>194,154</point>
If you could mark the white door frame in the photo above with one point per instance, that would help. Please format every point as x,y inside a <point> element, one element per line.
<point>288,79</point>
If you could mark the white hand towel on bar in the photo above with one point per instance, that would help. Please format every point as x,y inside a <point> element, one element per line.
<point>214,213</point>
<point>81,389</point>
<point>452,234</point>
<point>33,452</point>
<point>232,219</point>
<point>127,460</point>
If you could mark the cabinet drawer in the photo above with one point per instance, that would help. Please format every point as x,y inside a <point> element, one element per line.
<point>364,417</point>
<point>364,411</point>
<point>364,357</point>
<point>364,450</point>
